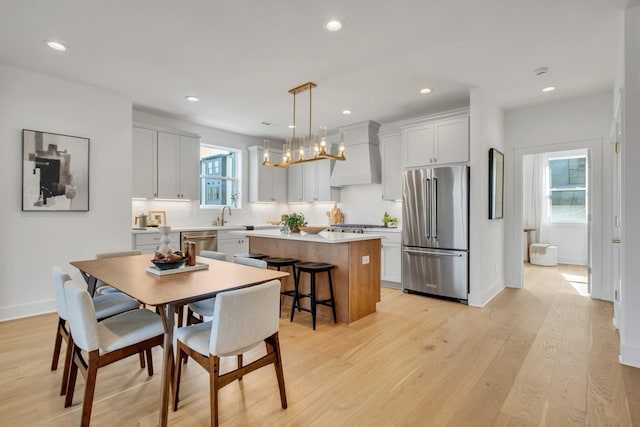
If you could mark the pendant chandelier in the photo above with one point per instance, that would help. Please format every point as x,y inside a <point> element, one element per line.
<point>295,147</point>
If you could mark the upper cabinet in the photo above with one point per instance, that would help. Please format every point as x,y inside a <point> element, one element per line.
<point>266,183</point>
<point>391,166</point>
<point>435,142</point>
<point>165,165</point>
<point>310,182</point>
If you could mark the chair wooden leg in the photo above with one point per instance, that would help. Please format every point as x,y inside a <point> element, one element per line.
<point>149,362</point>
<point>67,365</point>
<point>214,366</point>
<point>73,373</point>
<point>240,364</point>
<point>90,387</point>
<point>176,377</point>
<point>274,342</point>
<point>142,364</point>
<point>180,312</point>
<point>58,345</point>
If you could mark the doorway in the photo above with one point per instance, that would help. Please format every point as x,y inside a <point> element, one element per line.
<point>555,212</point>
<point>594,245</point>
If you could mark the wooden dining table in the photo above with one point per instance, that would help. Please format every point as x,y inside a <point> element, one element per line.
<point>167,292</point>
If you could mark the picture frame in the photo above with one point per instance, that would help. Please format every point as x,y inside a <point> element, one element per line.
<point>55,172</point>
<point>158,218</point>
<point>496,184</point>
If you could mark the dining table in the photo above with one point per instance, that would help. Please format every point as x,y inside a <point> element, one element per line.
<point>167,292</point>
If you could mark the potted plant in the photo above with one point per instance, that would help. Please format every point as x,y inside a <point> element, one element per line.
<point>294,221</point>
<point>389,220</point>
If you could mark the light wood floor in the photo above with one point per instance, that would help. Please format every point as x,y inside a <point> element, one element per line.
<point>540,356</point>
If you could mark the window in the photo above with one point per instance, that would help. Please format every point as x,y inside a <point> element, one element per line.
<point>219,176</point>
<point>568,189</point>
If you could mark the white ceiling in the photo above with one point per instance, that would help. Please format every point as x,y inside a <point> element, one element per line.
<point>242,57</point>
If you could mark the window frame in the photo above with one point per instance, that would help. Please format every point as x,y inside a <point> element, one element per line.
<point>549,190</point>
<point>237,178</point>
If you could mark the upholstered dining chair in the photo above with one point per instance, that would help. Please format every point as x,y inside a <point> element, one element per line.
<point>251,262</point>
<point>105,306</point>
<point>106,342</point>
<point>103,288</point>
<point>242,319</point>
<point>204,307</point>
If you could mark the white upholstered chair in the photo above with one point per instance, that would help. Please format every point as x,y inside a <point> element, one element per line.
<point>106,342</point>
<point>242,319</point>
<point>105,306</point>
<point>103,288</point>
<point>251,262</point>
<point>204,307</point>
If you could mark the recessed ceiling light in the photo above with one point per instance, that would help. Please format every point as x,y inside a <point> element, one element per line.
<point>192,98</point>
<point>56,45</point>
<point>346,112</point>
<point>426,90</point>
<point>549,89</point>
<point>333,25</point>
<point>292,126</point>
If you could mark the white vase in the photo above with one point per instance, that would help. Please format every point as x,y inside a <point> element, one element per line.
<point>164,247</point>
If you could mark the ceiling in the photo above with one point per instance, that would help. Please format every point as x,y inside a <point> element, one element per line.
<point>241,57</point>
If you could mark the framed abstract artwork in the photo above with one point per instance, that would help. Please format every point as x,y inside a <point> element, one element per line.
<point>55,172</point>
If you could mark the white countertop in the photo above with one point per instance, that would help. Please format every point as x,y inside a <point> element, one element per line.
<point>323,237</point>
<point>205,228</point>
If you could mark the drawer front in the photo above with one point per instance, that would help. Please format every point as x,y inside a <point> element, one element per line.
<point>154,239</point>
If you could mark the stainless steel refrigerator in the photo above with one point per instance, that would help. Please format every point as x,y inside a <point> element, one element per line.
<point>435,232</point>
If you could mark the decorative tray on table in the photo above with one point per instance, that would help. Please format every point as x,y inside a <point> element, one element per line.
<point>199,266</point>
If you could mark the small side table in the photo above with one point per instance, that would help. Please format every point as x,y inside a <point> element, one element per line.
<point>528,231</point>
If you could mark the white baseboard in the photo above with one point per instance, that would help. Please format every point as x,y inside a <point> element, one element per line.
<point>486,296</point>
<point>27,310</point>
<point>571,261</point>
<point>629,355</point>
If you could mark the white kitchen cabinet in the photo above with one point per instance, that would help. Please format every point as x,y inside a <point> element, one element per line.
<point>266,183</point>
<point>436,142</point>
<point>391,166</point>
<point>310,182</point>
<point>165,165</point>
<point>231,244</point>
<point>391,255</point>
<point>148,242</point>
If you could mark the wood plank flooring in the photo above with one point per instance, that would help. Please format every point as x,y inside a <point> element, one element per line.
<point>539,356</point>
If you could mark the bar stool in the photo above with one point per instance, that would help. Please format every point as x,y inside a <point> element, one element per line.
<point>312,268</point>
<point>251,255</point>
<point>284,262</point>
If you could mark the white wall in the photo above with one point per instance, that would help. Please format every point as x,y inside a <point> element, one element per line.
<point>486,237</point>
<point>36,241</point>
<point>565,125</point>
<point>630,290</point>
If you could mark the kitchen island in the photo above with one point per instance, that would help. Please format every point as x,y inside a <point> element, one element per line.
<point>356,278</point>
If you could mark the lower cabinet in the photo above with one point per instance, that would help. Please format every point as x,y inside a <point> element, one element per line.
<point>231,244</point>
<point>391,256</point>
<point>148,242</point>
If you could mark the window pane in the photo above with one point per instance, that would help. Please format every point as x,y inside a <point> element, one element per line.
<point>568,173</point>
<point>568,206</point>
<point>218,176</point>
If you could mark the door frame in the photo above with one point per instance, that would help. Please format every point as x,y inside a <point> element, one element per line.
<point>598,288</point>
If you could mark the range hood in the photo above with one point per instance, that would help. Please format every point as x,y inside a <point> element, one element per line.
<point>363,164</point>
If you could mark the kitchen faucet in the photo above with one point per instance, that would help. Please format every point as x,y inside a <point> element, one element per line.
<point>222,221</point>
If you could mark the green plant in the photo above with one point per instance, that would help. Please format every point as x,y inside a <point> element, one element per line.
<point>294,221</point>
<point>388,220</point>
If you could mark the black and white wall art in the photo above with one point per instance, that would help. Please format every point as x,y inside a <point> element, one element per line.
<point>55,172</point>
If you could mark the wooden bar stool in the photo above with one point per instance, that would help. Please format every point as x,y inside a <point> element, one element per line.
<point>278,263</point>
<point>312,268</point>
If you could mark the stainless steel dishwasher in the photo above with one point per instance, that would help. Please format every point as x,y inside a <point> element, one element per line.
<point>205,240</point>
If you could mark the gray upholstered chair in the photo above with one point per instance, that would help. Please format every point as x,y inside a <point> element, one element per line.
<point>103,288</point>
<point>204,307</point>
<point>105,306</point>
<point>251,262</point>
<point>106,342</point>
<point>242,319</point>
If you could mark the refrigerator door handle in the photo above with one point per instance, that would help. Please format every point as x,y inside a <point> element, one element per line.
<point>427,189</point>
<point>435,208</point>
<point>415,251</point>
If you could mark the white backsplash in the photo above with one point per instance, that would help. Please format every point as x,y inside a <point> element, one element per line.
<point>360,204</point>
